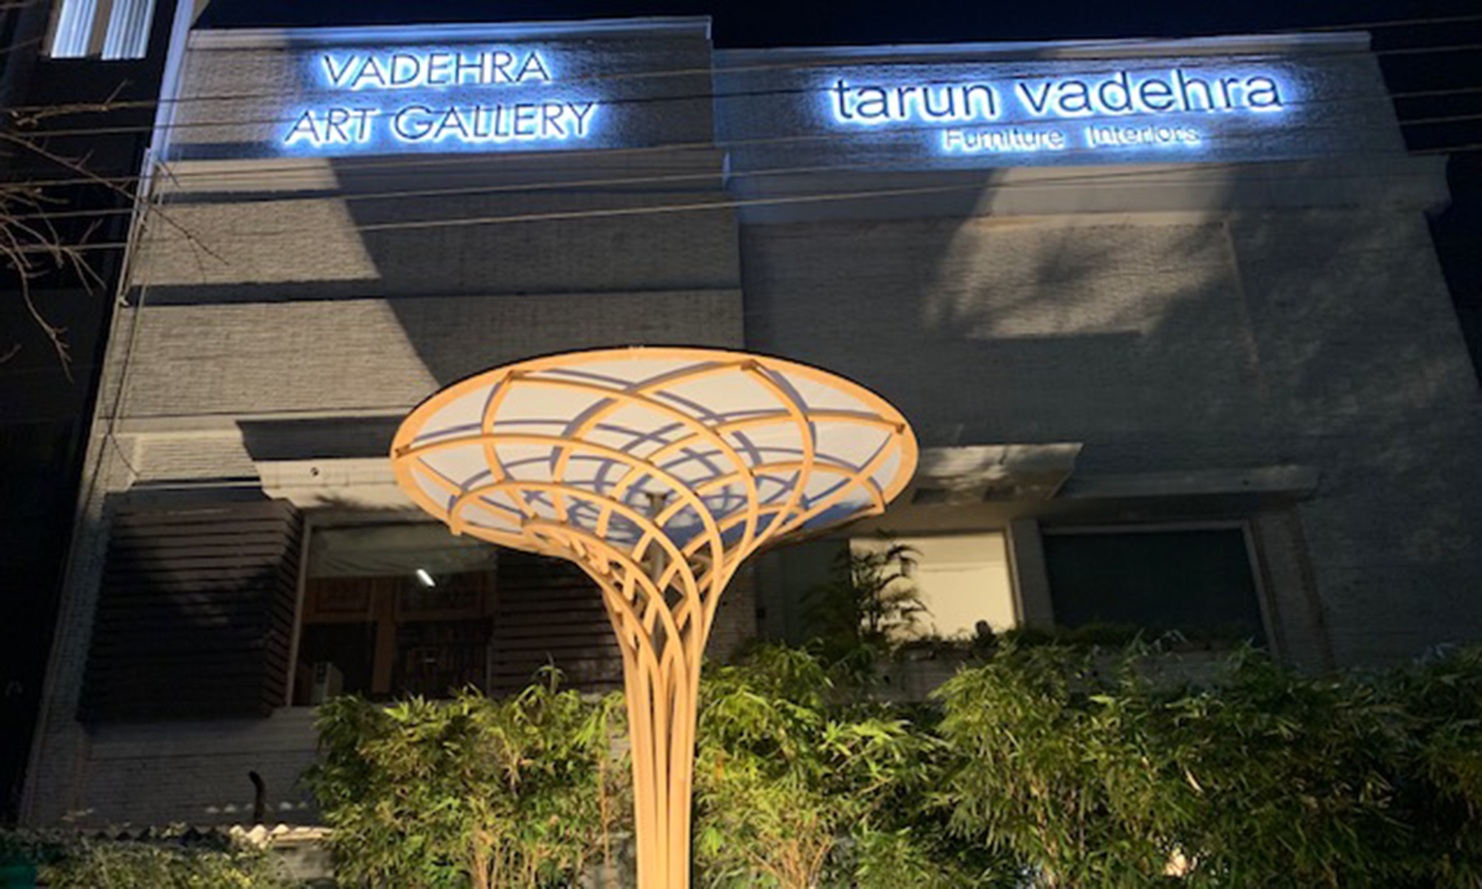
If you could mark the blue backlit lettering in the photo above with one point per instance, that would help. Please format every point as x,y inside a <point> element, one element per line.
<point>521,121</point>
<point>877,104</point>
<point>408,70</point>
<point>999,140</point>
<point>1130,108</point>
<point>453,97</point>
<point>334,126</point>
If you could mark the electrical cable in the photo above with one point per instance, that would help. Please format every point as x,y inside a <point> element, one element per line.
<point>259,170</point>
<point>921,61</point>
<point>1121,46</point>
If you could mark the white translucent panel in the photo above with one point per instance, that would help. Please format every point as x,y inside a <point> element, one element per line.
<point>698,464</point>
<point>434,492</point>
<point>775,487</point>
<point>502,503</point>
<point>506,425</point>
<point>729,396</point>
<point>889,468</point>
<point>639,440</point>
<point>594,472</point>
<point>837,512</point>
<point>546,404</point>
<point>483,515</point>
<point>821,484</point>
<point>770,444</point>
<point>529,462</point>
<point>852,444</point>
<point>818,396</point>
<point>620,373</point>
<point>463,415</point>
<point>647,428</point>
<point>460,465</point>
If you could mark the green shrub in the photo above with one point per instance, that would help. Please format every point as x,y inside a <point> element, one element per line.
<point>1046,765</point>
<point>91,863</point>
<point>1439,780</point>
<point>1058,767</point>
<point>798,783</point>
<point>521,792</point>
<point>1090,775</point>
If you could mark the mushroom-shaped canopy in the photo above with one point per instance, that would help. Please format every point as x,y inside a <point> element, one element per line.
<point>697,456</point>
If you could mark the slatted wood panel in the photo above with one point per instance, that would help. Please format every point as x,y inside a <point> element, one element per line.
<point>195,615</point>
<point>549,612</point>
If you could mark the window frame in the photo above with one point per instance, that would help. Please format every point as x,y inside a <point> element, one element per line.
<point>107,38</point>
<point>314,521</point>
<point>1244,524</point>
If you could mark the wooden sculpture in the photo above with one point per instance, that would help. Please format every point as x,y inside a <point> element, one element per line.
<point>658,471</point>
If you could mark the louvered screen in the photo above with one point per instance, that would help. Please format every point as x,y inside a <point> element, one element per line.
<point>549,612</point>
<point>195,614</point>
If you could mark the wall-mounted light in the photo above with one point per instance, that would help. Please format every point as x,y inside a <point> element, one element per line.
<point>425,579</point>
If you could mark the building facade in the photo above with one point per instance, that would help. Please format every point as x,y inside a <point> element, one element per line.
<point>1165,317</point>
<point>79,81</point>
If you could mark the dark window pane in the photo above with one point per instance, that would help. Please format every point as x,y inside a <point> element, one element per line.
<point>334,659</point>
<point>1196,582</point>
<point>787,580</point>
<point>436,659</point>
<point>393,636</point>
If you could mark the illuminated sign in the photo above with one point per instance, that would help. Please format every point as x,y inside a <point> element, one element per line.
<point>851,111</point>
<point>443,98</point>
<point>1116,109</point>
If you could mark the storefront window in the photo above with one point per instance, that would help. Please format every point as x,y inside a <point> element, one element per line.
<point>962,581</point>
<point>959,580</point>
<point>393,610</point>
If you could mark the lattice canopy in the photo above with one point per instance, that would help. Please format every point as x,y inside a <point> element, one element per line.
<point>696,456</point>
<point>658,471</point>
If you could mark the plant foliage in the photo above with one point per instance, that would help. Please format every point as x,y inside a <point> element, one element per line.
<point>523,792</point>
<point>1040,765</point>
<point>79,862</point>
<point>868,606</point>
<point>1088,774</point>
<point>800,783</point>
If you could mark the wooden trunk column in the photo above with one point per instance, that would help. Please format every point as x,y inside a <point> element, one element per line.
<point>661,677</point>
<point>661,713</point>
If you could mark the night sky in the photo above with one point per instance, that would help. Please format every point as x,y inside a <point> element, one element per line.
<point>1418,54</point>
<point>764,23</point>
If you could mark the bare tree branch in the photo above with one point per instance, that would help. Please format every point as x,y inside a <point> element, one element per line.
<point>35,115</point>
<point>31,248</point>
<point>30,244</point>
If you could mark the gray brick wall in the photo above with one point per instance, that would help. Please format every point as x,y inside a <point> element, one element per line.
<point>1320,337</point>
<point>373,355</point>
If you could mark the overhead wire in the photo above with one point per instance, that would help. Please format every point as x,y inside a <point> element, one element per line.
<point>255,169</point>
<point>928,55</point>
<point>926,59</point>
<point>1077,180</point>
<point>258,169</point>
<point>569,186</point>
